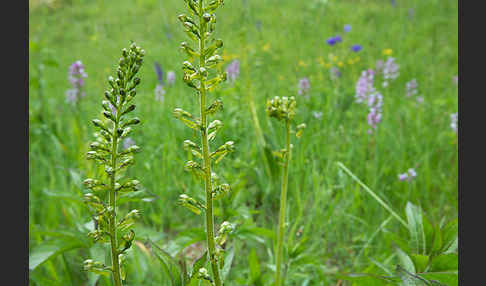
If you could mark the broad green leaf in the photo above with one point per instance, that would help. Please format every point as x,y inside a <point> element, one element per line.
<point>449,278</point>
<point>405,260</point>
<point>366,278</point>
<point>200,262</point>
<point>170,265</point>
<point>449,234</point>
<point>420,261</point>
<point>415,228</point>
<point>255,271</point>
<point>444,262</point>
<point>227,263</point>
<point>437,244</point>
<point>430,234</point>
<point>50,249</point>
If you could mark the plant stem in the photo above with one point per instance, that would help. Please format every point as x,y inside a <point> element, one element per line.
<point>114,252</point>
<point>283,201</point>
<point>206,159</point>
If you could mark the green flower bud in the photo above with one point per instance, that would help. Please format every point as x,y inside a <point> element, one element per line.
<point>206,17</point>
<point>111,81</point>
<point>109,115</point>
<point>129,109</point>
<point>99,123</point>
<point>133,121</point>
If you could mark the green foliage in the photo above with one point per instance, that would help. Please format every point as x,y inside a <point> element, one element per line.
<point>418,264</point>
<point>277,43</point>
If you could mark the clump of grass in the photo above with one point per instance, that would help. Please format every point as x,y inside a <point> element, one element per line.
<point>106,152</point>
<point>283,109</point>
<point>201,74</point>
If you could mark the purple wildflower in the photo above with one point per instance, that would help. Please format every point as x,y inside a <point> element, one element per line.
<point>304,86</point>
<point>71,96</point>
<point>233,70</point>
<point>347,28</point>
<point>420,99</point>
<point>390,71</point>
<point>317,114</point>
<point>171,77</point>
<point>412,174</point>
<point>375,102</point>
<point>159,72</point>
<point>380,65</point>
<point>411,87</point>
<point>409,175</point>
<point>356,48</point>
<point>333,40</point>
<point>75,75</point>
<point>403,176</point>
<point>364,85</point>
<point>454,121</point>
<point>335,73</point>
<point>159,93</point>
<point>455,79</point>
<point>128,142</point>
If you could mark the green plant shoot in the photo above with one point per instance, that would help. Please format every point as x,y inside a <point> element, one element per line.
<point>201,74</point>
<point>283,109</point>
<point>105,151</point>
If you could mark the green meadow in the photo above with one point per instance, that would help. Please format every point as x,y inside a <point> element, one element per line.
<point>347,210</point>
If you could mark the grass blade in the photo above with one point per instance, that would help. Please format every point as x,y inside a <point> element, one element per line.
<point>371,193</point>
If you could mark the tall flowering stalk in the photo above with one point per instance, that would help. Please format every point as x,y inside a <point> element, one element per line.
<point>366,92</point>
<point>201,75</point>
<point>233,70</point>
<point>303,86</point>
<point>159,88</point>
<point>283,109</point>
<point>76,77</point>
<point>106,152</point>
<point>390,71</point>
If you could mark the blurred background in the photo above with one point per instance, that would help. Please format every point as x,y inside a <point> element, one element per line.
<point>314,50</point>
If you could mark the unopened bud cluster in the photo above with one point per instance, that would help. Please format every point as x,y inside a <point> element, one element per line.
<point>282,108</point>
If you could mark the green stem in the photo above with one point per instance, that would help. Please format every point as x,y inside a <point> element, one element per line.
<point>206,159</point>
<point>283,201</point>
<point>114,252</point>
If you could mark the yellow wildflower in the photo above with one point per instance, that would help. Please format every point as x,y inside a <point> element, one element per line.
<point>340,64</point>
<point>302,63</point>
<point>266,47</point>
<point>387,52</point>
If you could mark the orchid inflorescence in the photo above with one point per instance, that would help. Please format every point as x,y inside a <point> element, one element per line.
<point>283,109</point>
<point>201,74</point>
<point>106,152</point>
<point>76,77</point>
